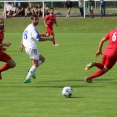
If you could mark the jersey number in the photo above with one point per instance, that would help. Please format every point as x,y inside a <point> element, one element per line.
<point>114,36</point>
<point>25,34</point>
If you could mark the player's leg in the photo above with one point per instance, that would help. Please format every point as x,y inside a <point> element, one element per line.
<point>108,62</point>
<point>37,60</point>
<point>10,63</point>
<point>51,32</point>
<point>35,64</point>
<point>34,56</point>
<point>45,34</point>
<point>69,11</point>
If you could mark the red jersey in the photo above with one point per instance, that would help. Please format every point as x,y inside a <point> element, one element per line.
<point>51,19</point>
<point>112,37</point>
<point>1,39</point>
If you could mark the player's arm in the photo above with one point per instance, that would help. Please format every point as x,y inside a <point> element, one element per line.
<point>100,46</point>
<point>56,23</point>
<point>5,44</point>
<point>21,46</point>
<point>37,37</point>
<point>45,22</point>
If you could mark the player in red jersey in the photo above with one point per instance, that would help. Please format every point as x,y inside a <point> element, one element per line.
<point>49,20</point>
<point>3,56</point>
<point>109,57</point>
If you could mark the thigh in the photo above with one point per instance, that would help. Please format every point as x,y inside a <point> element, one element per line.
<point>109,61</point>
<point>49,30</point>
<point>5,57</point>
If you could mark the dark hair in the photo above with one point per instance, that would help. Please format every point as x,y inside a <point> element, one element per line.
<point>34,16</point>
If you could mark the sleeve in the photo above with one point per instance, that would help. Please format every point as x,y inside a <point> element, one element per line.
<point>35,34</point>
<point>107,36</point>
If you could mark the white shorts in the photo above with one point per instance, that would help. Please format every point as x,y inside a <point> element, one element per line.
<point>33,53</point>
<point>90,7</point>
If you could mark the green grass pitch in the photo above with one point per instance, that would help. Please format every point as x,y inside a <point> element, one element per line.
<point>64,66</point>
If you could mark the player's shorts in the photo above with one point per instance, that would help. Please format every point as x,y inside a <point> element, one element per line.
<point>108,60</point>
<point>90,7</point>
<point>4,57</point>
<point>49,30</point>
<point>33,53</point>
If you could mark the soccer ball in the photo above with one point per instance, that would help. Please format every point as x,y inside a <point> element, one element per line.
<point>67,91</point>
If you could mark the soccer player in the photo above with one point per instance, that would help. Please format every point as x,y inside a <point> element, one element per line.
<point>3,56</point>
<point>49,20</point>
<point>30,36</point>
<point>109,57</point>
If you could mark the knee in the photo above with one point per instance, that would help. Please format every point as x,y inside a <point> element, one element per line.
<point>105,69</point>
<point>43,60</point>
<point>13,65</point>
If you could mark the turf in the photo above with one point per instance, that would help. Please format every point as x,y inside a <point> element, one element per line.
<point>64,66</point>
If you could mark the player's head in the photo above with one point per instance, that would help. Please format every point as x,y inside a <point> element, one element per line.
<point>35,19</point>
<point>1,23</point>
<point>51,11</point>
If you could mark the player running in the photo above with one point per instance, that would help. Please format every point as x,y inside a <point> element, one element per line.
<point>109,57</point>
<point>3,56</point>
<point>49,20</point>
<point>30,36</point>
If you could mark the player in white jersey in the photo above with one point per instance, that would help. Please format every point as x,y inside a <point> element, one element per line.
<point>30,36</point>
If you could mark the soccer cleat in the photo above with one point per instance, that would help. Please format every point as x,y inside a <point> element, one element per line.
<point>90,65</point>
<point>0,76</point>
<point>56,45</point>
<point>33,76</point>
<point>27,81</point>
<point>88,80</point>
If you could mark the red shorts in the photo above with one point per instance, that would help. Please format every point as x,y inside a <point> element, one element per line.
<point>4,57</point>
<point>108,60</point>
<point>49,30</point>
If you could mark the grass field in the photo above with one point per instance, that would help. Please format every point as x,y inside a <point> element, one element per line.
<point>64,66</point>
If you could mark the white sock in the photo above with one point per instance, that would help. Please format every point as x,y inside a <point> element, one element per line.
<point>31,72</point>
<point>39,62</point>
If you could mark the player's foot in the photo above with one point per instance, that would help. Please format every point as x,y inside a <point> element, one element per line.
<point>33,76</point>
<point>88,80</point>
<point>56,45</point>
<point>0,76</point>
<point>27,80</point>
<point>90,65</point>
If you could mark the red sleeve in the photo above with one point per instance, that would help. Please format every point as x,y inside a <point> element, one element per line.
<point>107,36</point>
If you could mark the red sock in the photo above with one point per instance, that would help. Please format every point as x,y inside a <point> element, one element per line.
<point>43,35</point>
<point>99,65</point>
<point>4,67</point>
<point>96,74</point>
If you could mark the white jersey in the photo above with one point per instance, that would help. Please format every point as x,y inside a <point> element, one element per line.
<point>30,36</point>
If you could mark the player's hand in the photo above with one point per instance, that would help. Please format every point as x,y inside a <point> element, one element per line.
<point>98,53</point>
<point>7,44</point>
<point>4,49</point>
<point>46,26</point>
<point>21,48</point>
